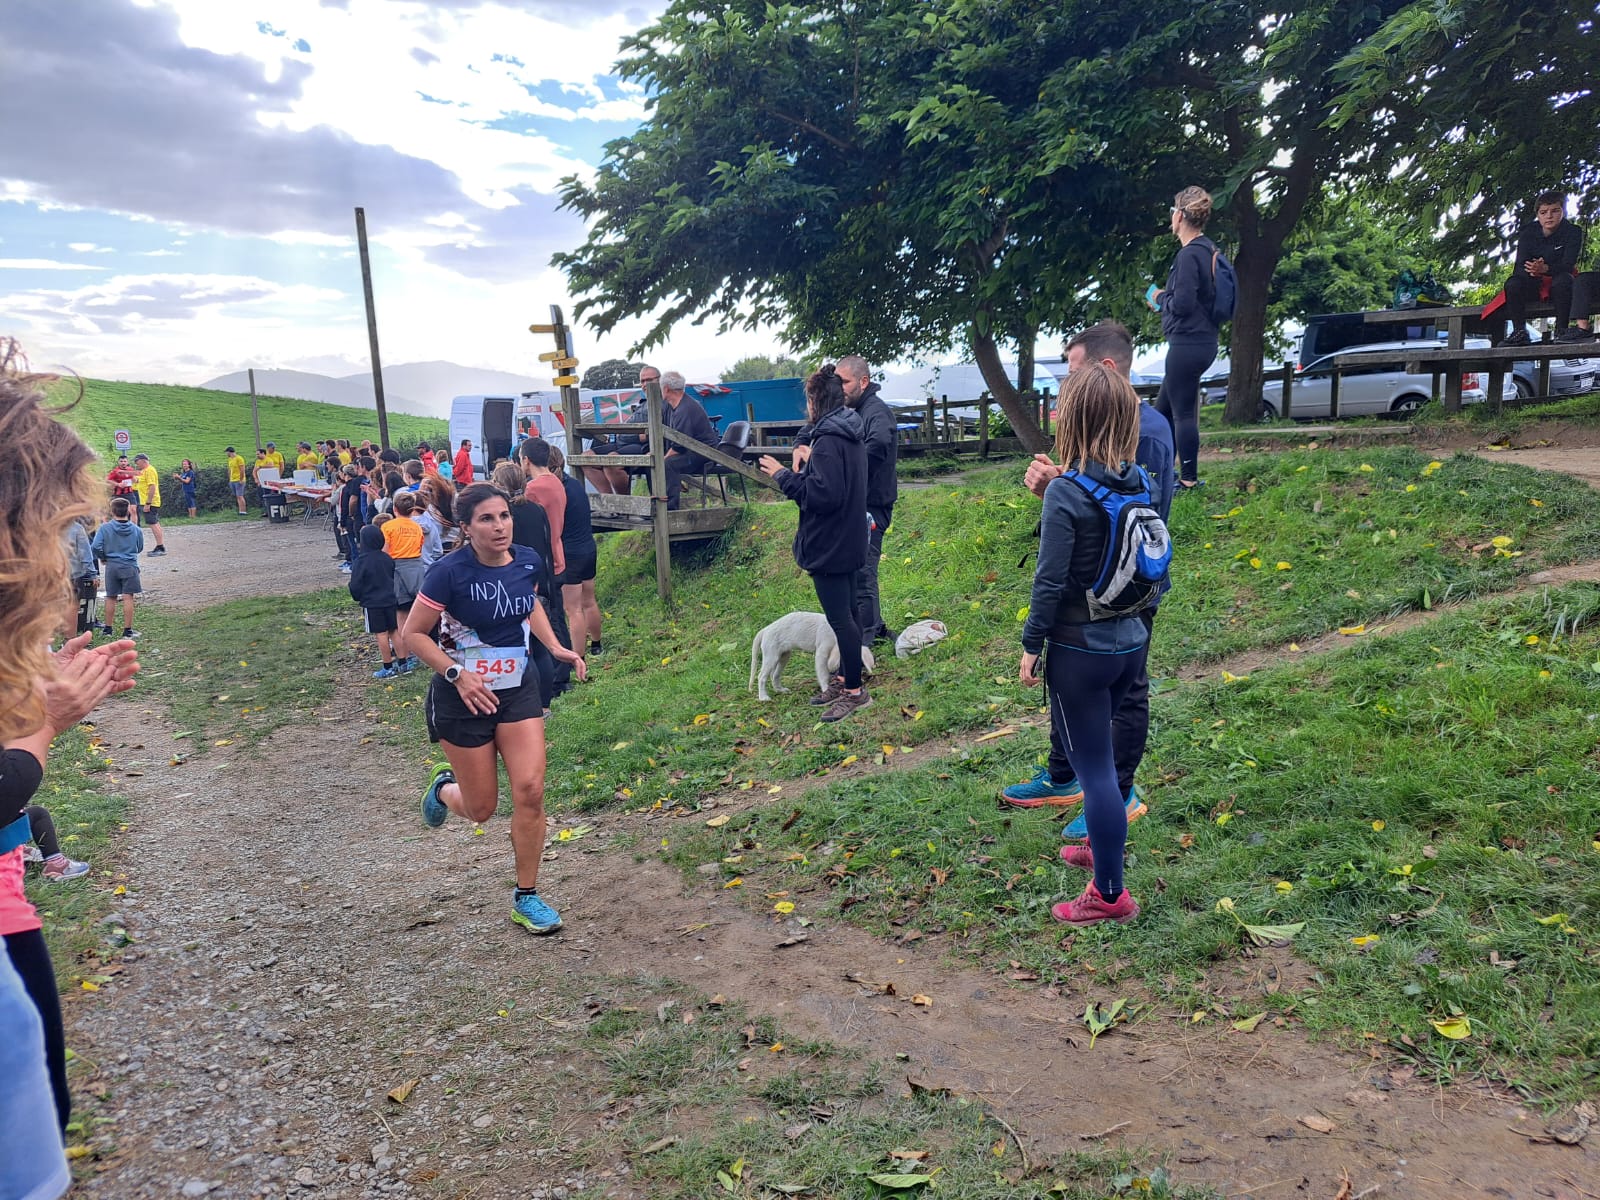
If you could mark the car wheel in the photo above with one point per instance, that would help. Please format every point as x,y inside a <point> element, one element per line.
<point>1405,406</point>
<point>1524,388</point>
<point>1269,411</point>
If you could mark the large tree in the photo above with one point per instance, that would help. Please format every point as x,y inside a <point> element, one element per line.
<point>760,366</point>
<point>899,178</point>
<point>610,374</point>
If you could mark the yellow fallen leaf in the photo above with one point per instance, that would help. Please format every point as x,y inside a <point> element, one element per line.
<point>242,663</point>
<point>1379,826</point>
<point>1365,939</point>
<point>1283,566</point>
<point>400,1094</point>
<point>777,1047</point>
<point>1248,1024</point>
<point>1255,563</point>
<point>922,1001</point>
<point>1003,731</point>
<point>1552,919</point>
<point>1229,677</point>
<point>223,742</point>
<point>1531,640</point>
<point>1432,467</point>
<point>1224,818</point>
<point>1500,542</point>
<point>736,881</point>
<point>1536,503</point>
<point>718,822</point>
<point>1197,1016</point>
<point>622,745</point>
<point>848,759</point>
<point>702,718</point>
<point>887,749</point>
<point>762,721</point>
<point>1352,630</point>
<point>477,831</point>
<point>1283,885</point>
<point>119,890</point>
<point>1411,487</point>
<point>666,660</point>
<point>774,789</point>
<point>1295,646</point>
<point>1454,1028</point>
<point>783,906</point>
<point>1365,468</point>
<point>87,986</point>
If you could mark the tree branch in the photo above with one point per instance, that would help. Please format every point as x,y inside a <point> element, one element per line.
<point>801,123</point>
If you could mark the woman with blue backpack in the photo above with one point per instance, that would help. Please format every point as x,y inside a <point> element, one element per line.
<point>1103,555</point>
<point>1198,298</point>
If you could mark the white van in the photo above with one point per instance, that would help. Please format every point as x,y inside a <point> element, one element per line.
<point>495,424</point>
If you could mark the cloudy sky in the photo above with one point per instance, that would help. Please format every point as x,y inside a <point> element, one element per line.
<point>179,178</point>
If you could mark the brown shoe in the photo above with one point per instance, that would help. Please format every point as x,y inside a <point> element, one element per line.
<point>828,694</point>
<point>845,704</point>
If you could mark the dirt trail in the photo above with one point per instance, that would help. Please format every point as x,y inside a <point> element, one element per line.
<point>302,949</point>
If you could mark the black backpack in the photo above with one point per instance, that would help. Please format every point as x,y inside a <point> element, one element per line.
<point>1225,288</point>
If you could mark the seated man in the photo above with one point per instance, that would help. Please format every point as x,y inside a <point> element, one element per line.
<point>1548,249</point>
<point>684,414</point>
<point>614,480</point>
<point>1585,291</point>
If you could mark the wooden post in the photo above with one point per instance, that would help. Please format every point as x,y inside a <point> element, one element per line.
<point>927,423</point>
<point>983,427</point>
<point>1333,393</point>
<point>255,417</point>
<point>944,412</point>
<point>659,519</point>
<point>1497,383</point>
<point>372,330</point>
<point>750,411</point>
<point>1288,387</point>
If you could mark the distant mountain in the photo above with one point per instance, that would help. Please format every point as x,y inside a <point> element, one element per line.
<point>422,389</point>
<point>430,385</point>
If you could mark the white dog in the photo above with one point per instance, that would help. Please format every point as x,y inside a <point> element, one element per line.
<point>805,631</point>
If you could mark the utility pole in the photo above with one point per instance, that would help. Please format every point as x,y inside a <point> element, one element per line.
<point>372,328</point>
<point>255,417</point>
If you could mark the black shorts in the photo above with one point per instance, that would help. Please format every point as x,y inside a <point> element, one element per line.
<point>151,513</point>
<point>625,446</point>
<point>449,719</point>
<point>381,620</point>
<point>580,567</point>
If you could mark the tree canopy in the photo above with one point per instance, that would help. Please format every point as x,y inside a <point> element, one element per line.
<point>758,366</point>
<point>900,179</point>
<point>610,374</point>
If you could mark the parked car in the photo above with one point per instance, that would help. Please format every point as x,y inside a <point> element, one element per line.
<point>1381,388</point>
<point>1329,332</point>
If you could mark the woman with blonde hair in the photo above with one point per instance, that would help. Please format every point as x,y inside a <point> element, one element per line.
<point>1185,308</point>
<point>1092,626</point>
<point>45,485</point>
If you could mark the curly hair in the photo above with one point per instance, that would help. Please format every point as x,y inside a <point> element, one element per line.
<point>45,485</point>
<point>1195,205</point>
<point>824,393</point>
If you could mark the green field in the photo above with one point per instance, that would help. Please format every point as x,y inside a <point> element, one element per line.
<point>173,423</point>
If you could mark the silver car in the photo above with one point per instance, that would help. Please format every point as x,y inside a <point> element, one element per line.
<point>1568,377</point>
<point>1370,388</point>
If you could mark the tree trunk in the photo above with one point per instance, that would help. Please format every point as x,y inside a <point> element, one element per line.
<point>1023,416</point>
<point>1248,337</point>
<point>1025,363</point>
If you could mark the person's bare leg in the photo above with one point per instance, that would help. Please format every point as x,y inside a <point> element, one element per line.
<point>591,611</point>
<point>127,610</point>
<point>521,746</point>
<point>621,485</point>
<point>476,792</point>
<point>111,609</point>
<point>572,601</point>
<point>161,538</point>
<point>396,638</point>
<point>597,477</point>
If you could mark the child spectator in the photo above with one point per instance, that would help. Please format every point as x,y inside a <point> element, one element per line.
<point>118,544</point>
<point>430,464</point>
<point>349,495</point>
<point>402,540</point>
<point>58,868</point>
<point>85,578</point>
<point>372,587</point>
<point>412,471</point>
<point>188,478</point>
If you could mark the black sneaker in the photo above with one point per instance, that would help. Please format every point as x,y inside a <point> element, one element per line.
<point>1574,334</point>
<point>105,631</point>
<point>131,633</point>
<point>884,634</point>
<point>1518,337</point>
<point>158,551</point>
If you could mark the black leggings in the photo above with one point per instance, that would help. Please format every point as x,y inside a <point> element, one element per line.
<point>837,594</point>
<point>31,958</point>
<point>43,829</point>
<point>1179,399</point>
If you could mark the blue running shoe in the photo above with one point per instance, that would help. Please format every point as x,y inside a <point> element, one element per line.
<point>434,810</point>
<point>1078,830</point>
<point>387,671</point>
<point>1042,792</point>
<point>533,914</point>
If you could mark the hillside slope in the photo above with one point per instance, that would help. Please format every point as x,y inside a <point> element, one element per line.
<point>172,423</point>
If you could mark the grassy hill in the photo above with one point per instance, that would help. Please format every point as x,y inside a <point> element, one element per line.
<point>172,423</point>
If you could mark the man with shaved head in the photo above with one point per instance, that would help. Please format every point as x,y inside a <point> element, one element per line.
<point>883,487</point>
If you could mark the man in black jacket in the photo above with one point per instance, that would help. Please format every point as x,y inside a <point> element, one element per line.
<point>1548,250</point>
<point>882,487</point>
<point>683,413</point>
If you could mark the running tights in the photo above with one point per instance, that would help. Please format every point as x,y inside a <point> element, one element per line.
<point>1085,691</point>
<point>1179,399</point>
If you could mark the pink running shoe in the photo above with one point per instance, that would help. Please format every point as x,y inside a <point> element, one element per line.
<point>1078,856</point>
<point>1091,908</point>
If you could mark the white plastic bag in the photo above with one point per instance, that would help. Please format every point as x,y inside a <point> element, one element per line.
<point>918,637</point>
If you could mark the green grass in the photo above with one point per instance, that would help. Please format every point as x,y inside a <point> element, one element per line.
<point>669,717</point>
<point>241,670</point>
<point>745,1112</point>
<point>173,423</point>
<point>1437,789</point>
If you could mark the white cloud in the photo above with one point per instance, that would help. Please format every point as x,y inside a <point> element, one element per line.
<point>44,264</point>
<point>89,248</point>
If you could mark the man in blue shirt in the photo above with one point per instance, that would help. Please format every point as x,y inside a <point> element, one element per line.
<point>1056,784</point>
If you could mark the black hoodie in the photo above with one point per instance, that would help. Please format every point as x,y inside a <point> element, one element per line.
<point>372,576</point>
<point>878,432</point>
<point>831,490</point>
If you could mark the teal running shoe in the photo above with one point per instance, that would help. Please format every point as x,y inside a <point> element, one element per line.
<point>533,914</point>
<point>1042,792</point>
<point>1078,830</point>
<point>434,810</point>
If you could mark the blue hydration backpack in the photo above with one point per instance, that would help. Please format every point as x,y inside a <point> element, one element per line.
<point>1138,550</point>
<point>1225,288</point>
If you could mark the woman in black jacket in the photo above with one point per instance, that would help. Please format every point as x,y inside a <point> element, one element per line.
<point>829,483</point>
<point>1185,307</point>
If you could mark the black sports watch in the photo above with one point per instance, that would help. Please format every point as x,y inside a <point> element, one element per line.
<point>452,673</point>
